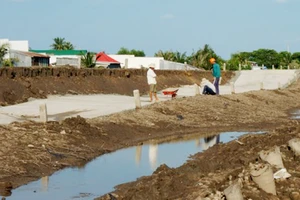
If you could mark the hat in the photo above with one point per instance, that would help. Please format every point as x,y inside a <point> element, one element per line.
<point>152,65</point>
<point>212,60</point>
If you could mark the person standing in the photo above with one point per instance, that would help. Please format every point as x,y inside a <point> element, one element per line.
<point>151,78</point>
<point>216,72</point>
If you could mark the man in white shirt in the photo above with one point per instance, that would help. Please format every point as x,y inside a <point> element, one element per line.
<point>207,87</point>
<point>151,78</point>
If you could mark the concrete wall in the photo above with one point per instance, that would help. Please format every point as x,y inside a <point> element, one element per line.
<point>144,62</point>
<point>250,80</point>
<point>121,58</point>
<point>23,60</point>
<point>74,61</point>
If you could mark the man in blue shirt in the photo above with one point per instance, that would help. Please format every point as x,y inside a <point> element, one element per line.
<point>216,72</point>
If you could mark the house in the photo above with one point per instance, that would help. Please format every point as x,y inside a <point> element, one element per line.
<point>28,59</point>
<point>63,57</point>
<point>103,60</point>
<point>130,61</point>
<point>18,45</point>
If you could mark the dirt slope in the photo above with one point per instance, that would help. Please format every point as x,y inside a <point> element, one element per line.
<point>19,84</point>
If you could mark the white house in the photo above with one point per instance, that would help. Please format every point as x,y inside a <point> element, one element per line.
<point>130,61</point>
<point>17,45</point>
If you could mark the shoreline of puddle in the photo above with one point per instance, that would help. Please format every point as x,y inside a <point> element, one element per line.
<point>102,174</point>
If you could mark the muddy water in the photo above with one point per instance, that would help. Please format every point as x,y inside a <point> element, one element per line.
<point>101,175</point>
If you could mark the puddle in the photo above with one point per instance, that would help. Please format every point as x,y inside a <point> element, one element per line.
<point>295,114</point>
<point>101,175</point>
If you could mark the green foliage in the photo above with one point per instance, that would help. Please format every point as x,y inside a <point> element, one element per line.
<point>236,59</point>
<point>266,57</point>
<point>61,44</point>
<point>295,64</point>
<point>285,58</point>
<point>172,56</point>
<point>3,51</point>
<point>88,60</point>
<point>124,51</point>
<point>10,62</point>
<point>296,56</point>
<point>201,58</point>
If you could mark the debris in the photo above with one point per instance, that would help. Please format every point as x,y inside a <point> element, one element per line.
<point>262,175</point>
<point>273,157</point>
<point>282,174</point>
<point>239,142</point>
<point>294,144</point>
<point>31,146</point>
<point>233,192</point>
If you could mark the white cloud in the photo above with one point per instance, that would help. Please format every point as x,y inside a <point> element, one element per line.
<point>281,1</point>
<point>167,16</point>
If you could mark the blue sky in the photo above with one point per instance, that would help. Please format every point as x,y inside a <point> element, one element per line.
<point>106,25</point>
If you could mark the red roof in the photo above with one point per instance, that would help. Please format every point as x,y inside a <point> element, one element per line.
<point>102,57</point>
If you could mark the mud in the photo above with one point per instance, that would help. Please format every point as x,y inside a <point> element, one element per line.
<point>19,84</point>
<point>32,150</point>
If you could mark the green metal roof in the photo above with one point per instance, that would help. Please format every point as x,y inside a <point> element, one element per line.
<point>61,52</point>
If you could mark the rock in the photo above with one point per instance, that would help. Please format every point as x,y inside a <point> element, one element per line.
<point>63,132</point>
<point>31,146</point>
<point>72,92</point>
<point>295,196</point>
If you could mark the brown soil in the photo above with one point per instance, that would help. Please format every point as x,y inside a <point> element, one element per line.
<point>19,84</point>
<point>32,150</point>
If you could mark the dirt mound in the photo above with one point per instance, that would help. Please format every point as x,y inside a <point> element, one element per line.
<point>19,84</point>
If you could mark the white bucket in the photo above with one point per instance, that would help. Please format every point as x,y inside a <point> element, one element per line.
<point>233,192</point>
<point>273,157</point>
<point>295,145</point>
<point>263,177</point>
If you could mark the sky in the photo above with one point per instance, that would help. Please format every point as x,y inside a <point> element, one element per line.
<point>228,26</point>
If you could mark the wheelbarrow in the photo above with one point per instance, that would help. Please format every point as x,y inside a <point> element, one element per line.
<point>172,93</point>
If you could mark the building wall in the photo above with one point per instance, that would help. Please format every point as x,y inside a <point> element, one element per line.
<point>121,58</point>
<point>23,60</point>
<point>72,61</point>
<point>139,62</point>
<point>21,45</point>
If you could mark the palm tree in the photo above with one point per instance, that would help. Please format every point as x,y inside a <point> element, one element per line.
<point>61,44</point>
<point>167,55</point>
<point>69,46</point>
<point>201,57</point>
<point>88,60</point>
<point>3,51</point>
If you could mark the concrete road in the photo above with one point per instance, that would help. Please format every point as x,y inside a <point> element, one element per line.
<point>90,106</point>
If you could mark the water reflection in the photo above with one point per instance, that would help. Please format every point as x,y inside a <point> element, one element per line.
<point>138,155</point>
<point>102,174</point>
<point>153,149</point>
<point>45,183</point>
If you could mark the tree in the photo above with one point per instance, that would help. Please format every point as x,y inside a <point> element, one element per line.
<point>201,58</point>
<point>296,56</point>
<point>88,60</point>
<point>61,44</point>
<point>172,56</point>
<point>125,51</point>
<point>285,58</point>
<point>3,51</point>
<point>241,58</point>
<point>267,57</point>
